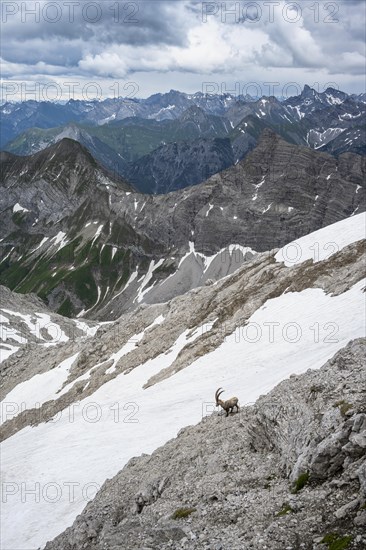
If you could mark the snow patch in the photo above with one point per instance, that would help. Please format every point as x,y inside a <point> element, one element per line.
<point>6,350</point>
<point>325,242</point>
<point>257,187</point>
<point>43,241</point>
<point>147,278</point>
<point>59,240</point>
<point>18,208</point>
<point>98,232</point>
<point>37,390</point>
<point>210,207</point>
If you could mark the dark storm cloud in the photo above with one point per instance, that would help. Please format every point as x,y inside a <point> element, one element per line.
<point>32,51</point>
<point>29,38</point>
<point>164,38</point>
<point>132,22</point>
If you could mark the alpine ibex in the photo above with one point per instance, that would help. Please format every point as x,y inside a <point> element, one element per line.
<point>228,405</point>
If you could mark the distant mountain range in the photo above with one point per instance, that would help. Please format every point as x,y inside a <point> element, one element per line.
<point>170,141</point>
<point>87,244</point>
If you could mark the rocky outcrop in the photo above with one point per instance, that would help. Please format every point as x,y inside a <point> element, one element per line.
<point>28,327</point>
<point>288,472</point>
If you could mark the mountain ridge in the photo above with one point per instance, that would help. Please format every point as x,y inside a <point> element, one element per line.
<point>331,120</point>
<point>128,244</point>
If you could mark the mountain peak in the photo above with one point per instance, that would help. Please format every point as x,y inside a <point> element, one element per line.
<point>307,91</point>
<point>73,153</point>
<point>65,157</point>
<point>68,149</point>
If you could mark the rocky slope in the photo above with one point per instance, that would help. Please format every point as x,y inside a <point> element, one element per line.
<point>89,239</point>
<point>210,313</point>
<point>160,365</point>
<point>288,472</point>
<point>25,323</point>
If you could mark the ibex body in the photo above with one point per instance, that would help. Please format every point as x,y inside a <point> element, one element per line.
<point>227,405</point>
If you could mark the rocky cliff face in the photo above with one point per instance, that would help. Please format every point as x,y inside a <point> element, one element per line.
<point>289,472</point>
<point>272,187</point>
<point>89,238</point>
<point>178,165</point>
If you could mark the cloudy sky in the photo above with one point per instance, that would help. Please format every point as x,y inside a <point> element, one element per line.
<point>137,48</point>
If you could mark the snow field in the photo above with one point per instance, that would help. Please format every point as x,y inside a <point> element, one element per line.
<point>325,242</point>
<point>93,439</point>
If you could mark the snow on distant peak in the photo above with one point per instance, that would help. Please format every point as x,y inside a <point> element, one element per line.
<point>18,208</point>
<point>257,187</point>
<point>333,100</point>
<point>210,207</point>
<point>300,114</point>
<point>317,139</point>
<point>325,242</point>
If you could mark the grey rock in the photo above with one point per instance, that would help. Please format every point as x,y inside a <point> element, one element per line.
<point>360,519</point>
<point>346,508</point>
